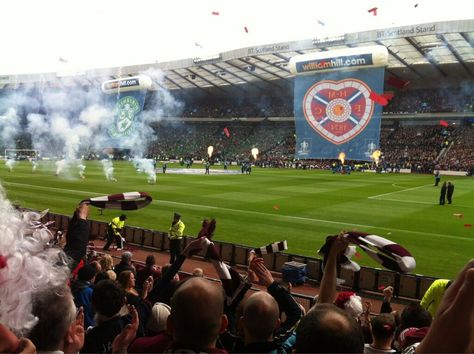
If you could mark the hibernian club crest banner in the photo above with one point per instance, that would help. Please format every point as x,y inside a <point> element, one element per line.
<point>127,95</point>
<point>334,111</point>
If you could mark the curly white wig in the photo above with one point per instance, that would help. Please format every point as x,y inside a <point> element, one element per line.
<point>29,265</point>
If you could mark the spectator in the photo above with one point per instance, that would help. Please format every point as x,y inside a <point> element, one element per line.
<point>414,324</point>
<point>106,262</point>
<point>197,316</point>
<point>126,279</point>
<point>77,236</point>
<point>383,332</point>
<point>150,269</point>
<point>107,301</point>
<point>97,267</point>
<point>82,289</point>
<point>125,264</point>
<point>159,338</point>
<point>328,329</point>
<point>58,328</point>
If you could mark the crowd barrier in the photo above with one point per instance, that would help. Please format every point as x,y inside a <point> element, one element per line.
<point>368,280</point>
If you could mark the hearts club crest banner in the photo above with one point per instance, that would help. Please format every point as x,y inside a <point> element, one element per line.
<point>334,112</point>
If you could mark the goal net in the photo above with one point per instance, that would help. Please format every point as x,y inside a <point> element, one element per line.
<point>21,154</point>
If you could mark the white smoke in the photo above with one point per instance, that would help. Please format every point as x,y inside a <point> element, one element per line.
<point>34,165</point>
<point>10,164</point>
<point>82,170</point>
<point>146,166</point>
<point>9,128</point>
<point>72,120</point>
<point>108,169</point>
<point>60,166</point>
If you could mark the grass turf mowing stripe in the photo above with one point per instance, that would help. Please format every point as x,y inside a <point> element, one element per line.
<point>277,216</point>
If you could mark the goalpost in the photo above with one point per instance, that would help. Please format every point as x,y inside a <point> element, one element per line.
<point>21,154</point>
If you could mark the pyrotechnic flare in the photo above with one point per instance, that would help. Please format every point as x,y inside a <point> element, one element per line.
<point>146,166</point>
<point>60,165</point>
<point>376,156</point>
<point>210,150</point>
<point>254,152</point>
<point>342,157</point>
<point>108,169</point>
<point>82,169</point>
<point>10,164</point>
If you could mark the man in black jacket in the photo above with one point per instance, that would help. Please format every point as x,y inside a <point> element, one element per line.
<point>77,236</point>
<point>450,191</point>
<point>442,196</point>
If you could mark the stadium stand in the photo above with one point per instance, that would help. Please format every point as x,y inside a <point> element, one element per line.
<point>201,317</point>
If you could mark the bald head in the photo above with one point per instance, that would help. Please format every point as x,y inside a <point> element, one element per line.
<point>197,314</point>
<point>328,329</point>
<point>260,317</point>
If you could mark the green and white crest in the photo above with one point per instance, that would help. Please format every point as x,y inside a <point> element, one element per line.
<point>126,111</point>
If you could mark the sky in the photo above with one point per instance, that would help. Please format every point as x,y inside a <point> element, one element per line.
<point>72,36</point>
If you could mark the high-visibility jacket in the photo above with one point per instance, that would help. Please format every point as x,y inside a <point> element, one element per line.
<point>116,224</point>
<point>433,295</point>
<point>176,230</point>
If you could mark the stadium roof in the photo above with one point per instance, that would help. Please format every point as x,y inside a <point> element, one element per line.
<point>429,50</point>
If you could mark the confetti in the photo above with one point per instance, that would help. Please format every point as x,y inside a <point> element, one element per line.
<point>458,215</point>
<point>276,207</point>
<point>381,287</point>
<point>467,225</point>
<point>357,255</point>
<point>246,29</point>
<point>443,123</point>
<point>373,10</point>
<point>215,13</point>
<point>226,132</point>
<point>321,23</point>
<point>378,98</point>
<point>416,5</point>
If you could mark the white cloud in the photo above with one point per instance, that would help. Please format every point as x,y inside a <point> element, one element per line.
<point>90,33</point>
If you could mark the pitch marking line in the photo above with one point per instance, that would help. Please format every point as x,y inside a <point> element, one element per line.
<point>400,191</point>
<point>420,202</point>
<point>276,216</point>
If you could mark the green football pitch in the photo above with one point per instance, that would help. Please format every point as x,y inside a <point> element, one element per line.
<point>302,207</point>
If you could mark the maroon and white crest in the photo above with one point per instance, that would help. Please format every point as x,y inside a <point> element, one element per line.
<point>338,110</point>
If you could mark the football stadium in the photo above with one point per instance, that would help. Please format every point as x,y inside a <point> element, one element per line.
<point>329,174</point>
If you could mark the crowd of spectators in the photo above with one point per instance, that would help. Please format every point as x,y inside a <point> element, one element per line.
<point>412,147</point>
<point>418,148</point>
<point>439,100</point>
<point>460,154</point>
<point>239,107</point>
<point>46,308</point>
<point>432,101</point>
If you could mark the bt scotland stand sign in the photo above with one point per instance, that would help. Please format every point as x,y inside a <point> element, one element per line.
<point>333,109</point>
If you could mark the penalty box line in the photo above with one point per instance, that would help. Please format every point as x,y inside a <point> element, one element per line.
<point>400,191</point>
<point>276,216</point>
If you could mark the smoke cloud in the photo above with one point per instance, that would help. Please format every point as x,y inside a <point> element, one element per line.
<point>67,123</point>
